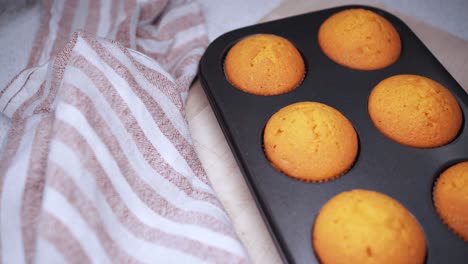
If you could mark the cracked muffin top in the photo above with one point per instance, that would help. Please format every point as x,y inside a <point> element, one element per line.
<point>359,39</point>
<point>264,64</point>
<point>415,111</point>
<point>310,141</point>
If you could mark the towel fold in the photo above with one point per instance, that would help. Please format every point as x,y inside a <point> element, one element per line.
<point>96,160</point>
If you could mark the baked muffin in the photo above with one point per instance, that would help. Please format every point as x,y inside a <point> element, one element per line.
<point>451,198</point>
<point>362,226</point>
<point>415,111</point>
<point>264,64</point>
<point>359,39</point>
<point>310,141</point>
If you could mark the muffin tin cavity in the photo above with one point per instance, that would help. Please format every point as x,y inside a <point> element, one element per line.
<point>404,173</point>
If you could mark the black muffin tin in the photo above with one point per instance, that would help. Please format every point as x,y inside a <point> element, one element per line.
<point>407,174</point>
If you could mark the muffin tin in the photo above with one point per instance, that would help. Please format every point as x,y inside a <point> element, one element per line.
<point>407,174</point>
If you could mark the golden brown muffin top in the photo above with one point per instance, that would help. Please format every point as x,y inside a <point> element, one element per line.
<point>310,141</point>
<point>264,64</point>
<point>415,111</point>
<point>451,198</point>
<point>362,226</point>
<point>359,39</point>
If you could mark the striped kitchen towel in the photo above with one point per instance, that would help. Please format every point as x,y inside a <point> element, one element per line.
<point>96,160</point>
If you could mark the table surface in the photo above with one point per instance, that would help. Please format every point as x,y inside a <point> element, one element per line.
<point>217,158</point>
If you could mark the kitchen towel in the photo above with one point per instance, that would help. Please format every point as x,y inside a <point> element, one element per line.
<point>96,160</point>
